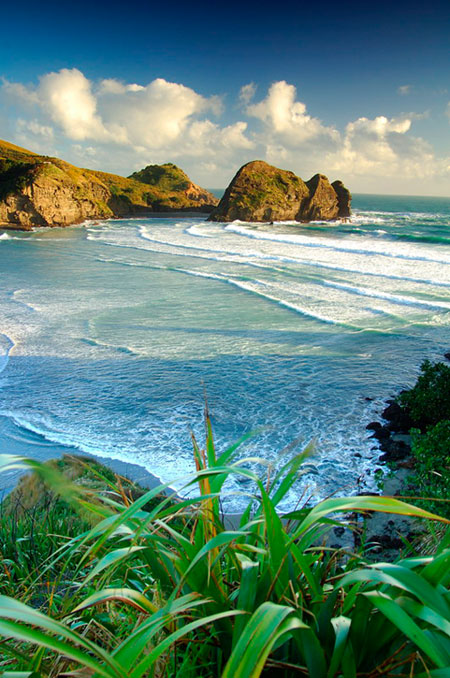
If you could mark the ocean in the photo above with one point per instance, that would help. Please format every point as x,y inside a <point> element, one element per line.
<point>113,333</point>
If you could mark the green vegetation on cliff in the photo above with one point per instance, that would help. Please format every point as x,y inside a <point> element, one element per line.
<point>38,190</point>
<point>163,588</point>
<point>168,177</point>
<point>427,404</point>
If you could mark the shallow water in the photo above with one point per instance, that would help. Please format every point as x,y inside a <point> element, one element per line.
<point>111,334</point>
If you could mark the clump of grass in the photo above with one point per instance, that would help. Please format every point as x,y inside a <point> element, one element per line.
<point>162,588</point>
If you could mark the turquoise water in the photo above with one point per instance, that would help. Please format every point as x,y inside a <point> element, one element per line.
<point>111,334</point>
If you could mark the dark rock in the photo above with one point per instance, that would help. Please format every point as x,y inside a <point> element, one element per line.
<point>344,200</point>
<point>386,541</point>
<point>397,416</point>
<point>394,450</point>
<point>339,531</point>
<point>374,426</point>
<point>447,355</point>
<point>382,433</point>
<point>323,201</point>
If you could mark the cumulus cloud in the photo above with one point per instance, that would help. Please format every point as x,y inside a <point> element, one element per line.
<point>382,147</point>
<point>152,116</point>
<point>121,126</point>
<point>68,98</point>
<point>287,118</point>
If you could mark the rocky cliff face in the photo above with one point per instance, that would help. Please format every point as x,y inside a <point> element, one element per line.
<point>261,192</point>
<point>41,191</point>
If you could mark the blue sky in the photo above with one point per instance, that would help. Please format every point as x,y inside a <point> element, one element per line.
<point>360,93</point>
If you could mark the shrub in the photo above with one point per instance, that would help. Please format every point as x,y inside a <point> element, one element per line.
<point>429,400</point>
<point>431,476</point>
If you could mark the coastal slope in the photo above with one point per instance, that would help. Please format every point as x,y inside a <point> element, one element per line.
<point>262,192</point>
<point>37,190</point>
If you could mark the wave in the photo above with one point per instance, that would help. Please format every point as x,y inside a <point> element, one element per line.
<point>127,350</point>
<point>431,239</point>
<point>352,248</point>
<point>5,236</point>
<point>250,287</point>
<point>395,298</point>
<point>196,232</point>
<point>246,258</point>
<point>15,297</point>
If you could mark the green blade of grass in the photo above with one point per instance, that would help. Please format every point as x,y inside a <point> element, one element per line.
<point>265,627</point>
<point>403,621</point>
<point>403,578</point>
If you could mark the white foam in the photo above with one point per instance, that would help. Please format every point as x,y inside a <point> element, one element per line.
<point>197,232</point>
<point>372,247</point>
<point>128,350</point>
<point>394,298</point>
<point>5,236</point>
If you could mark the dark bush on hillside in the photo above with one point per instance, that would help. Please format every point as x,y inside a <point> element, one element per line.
<point>432,468</point>
<point>429,400</point>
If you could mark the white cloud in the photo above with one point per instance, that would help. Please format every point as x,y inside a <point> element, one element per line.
<point>33,126</point>
<point>15,91</point>
<point>404,89</point>
<point>382,148</point>
<point>152,117</point>
<point>67,96</point>
<point>119,127</point>
<point>247,92</point>
<point>287,118</point>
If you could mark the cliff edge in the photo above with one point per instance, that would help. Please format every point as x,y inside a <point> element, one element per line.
<point>262,192</point>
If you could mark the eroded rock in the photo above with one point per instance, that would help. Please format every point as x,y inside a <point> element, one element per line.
<point>261,192</point>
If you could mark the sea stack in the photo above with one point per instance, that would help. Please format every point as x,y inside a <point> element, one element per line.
<point>261,192</point>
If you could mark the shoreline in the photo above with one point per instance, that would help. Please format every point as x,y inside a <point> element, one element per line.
<point>178,214</point>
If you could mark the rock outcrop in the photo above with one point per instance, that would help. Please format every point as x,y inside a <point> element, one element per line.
<point>261,192</point>
<point>169,177</point>
<point>37,190</point>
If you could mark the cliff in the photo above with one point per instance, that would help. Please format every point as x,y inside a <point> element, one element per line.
<point>261,192</point>
<point>38,190</point>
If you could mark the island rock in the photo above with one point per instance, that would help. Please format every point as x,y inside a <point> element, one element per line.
<point>261,192</point>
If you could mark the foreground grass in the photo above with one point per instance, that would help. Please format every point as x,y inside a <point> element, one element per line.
<point>155,586</point>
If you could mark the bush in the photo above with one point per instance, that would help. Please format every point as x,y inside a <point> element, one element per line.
<point>432,468</point>
<point>428,401</point>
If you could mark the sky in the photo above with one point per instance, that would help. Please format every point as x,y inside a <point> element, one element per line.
<point>359,93</point>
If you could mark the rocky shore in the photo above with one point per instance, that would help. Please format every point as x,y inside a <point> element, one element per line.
<point>384,533</point>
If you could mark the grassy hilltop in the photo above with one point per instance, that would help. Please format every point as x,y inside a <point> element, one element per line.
<point>37,190</point>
